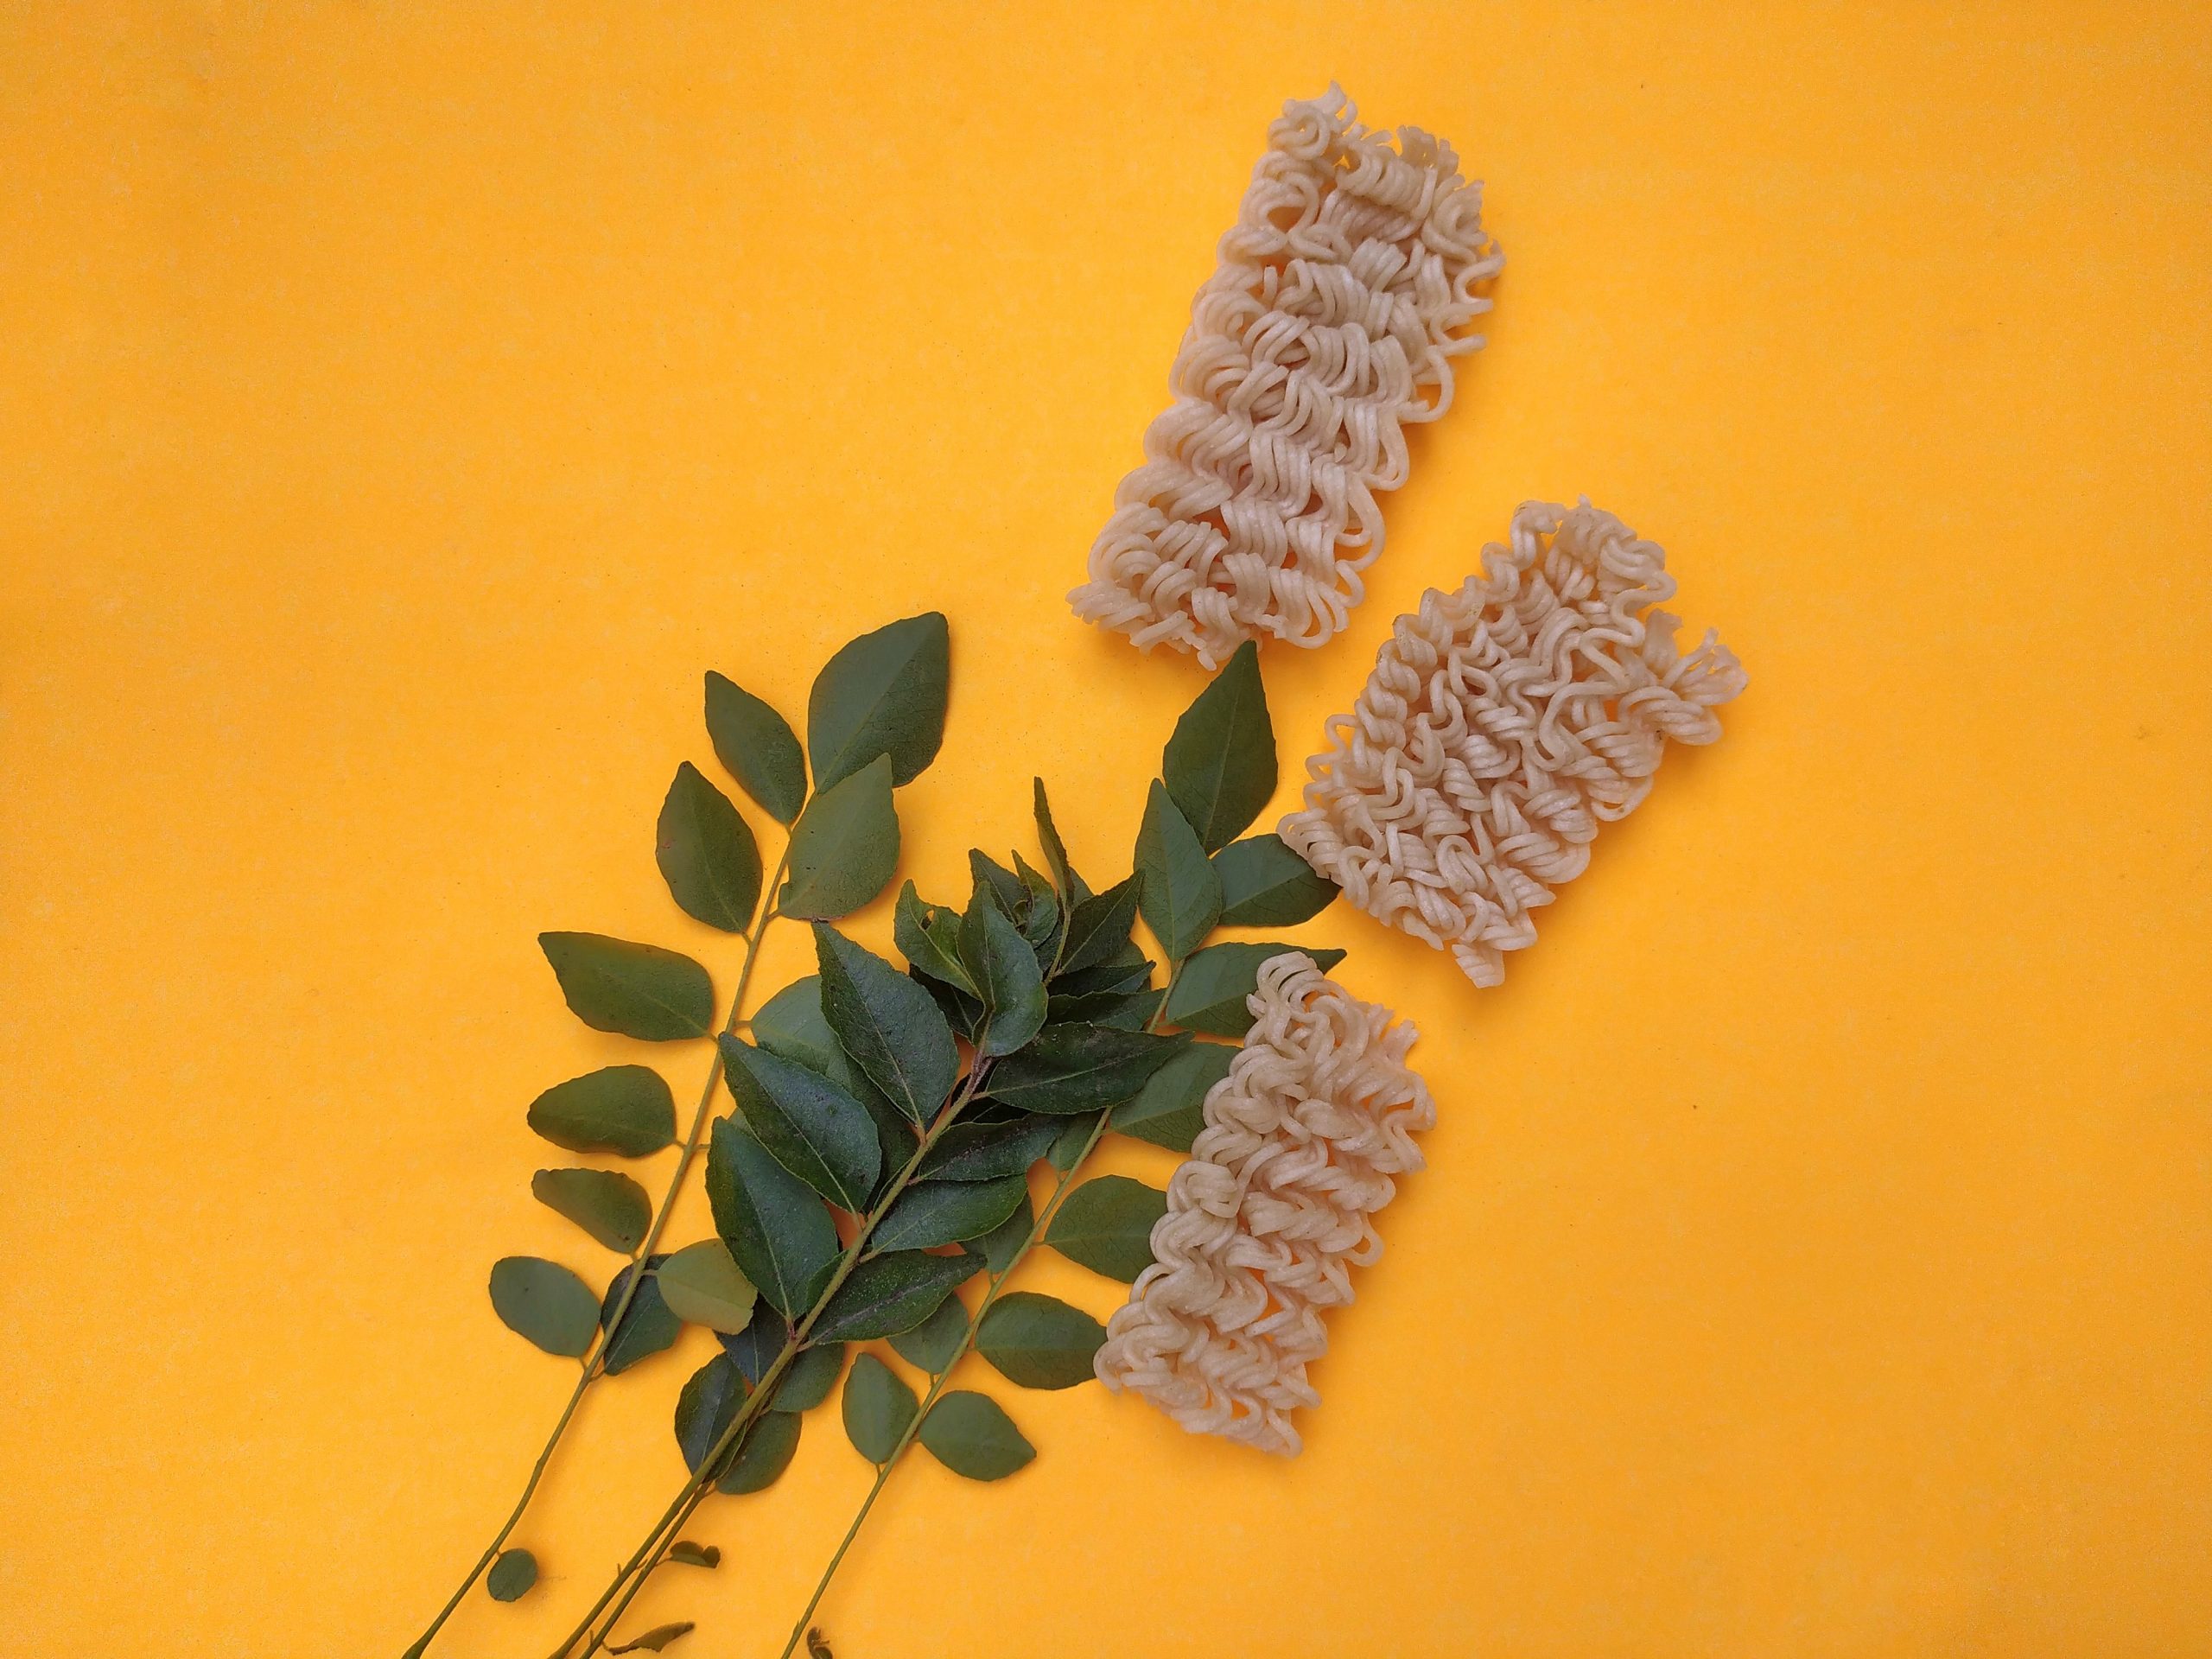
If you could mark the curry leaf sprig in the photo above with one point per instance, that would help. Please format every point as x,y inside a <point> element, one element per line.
<point>875,720</point>
<point>1026,1024</point>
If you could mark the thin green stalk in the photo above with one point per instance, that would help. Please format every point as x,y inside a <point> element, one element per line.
<point>1037,1225</point>
<point>595,1362</point>
<point>640,1566</point>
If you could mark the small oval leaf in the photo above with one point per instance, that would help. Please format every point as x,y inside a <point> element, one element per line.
<point>612,1208</point>
<point>890,1293</point>
<point>971,1435</point>
<point>704,1410</point>
<point>511,1575</point>
<point>1073,889</point>
<point>764,1454</point>
<point>687,1554</point>
<point>780,1236</point>
<point>702,1284</point>
<point>844,847</point>
<point>1264,884</point>
<point>933,1344</point>
<point>706,853</point>
<point>1178,893</point>
<point>1106,1225</point>
<point>546,1303</point>
<point>932,1213</point>
<point>806,1382</point>
<point>1220,764</point>
<point>1038,1342</point>
<point>878,1408</point>
<point>883,695</point>
<point>757,746</point>
<point>648,1324</point>
<point>623,1110</point>
<point>632,990</point>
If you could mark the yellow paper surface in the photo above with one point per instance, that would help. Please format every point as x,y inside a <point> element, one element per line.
<point>401,407</point>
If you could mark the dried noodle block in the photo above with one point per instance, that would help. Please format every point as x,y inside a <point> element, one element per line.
<point>1329,326</point>
<point>1502,726</point>
<point>1271,1211</point>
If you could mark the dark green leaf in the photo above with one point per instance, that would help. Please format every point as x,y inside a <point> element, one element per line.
<point>1220,765</point>
<point>1039,1341</point>
<point>1080,1068</point>
<point>546,1303</point>
<point>1005,886</point>
<point>878,1408</point>
<point>613,1209</point>
<point>806,1382</point>
<point>648,1326</point>
<point>754,1349</point>
<point>962,1012</point>
<point>757,747</point>
<point>783,1241</point>
<point>1041,918</point>
<point>930,1213</point>
<point>1073,889</point>
<point>1099,930</point>
<point>655,1639</point>
<point>1170,1110</point>
<point>931,1344</point>
<point>928,936</point>
<point>791,1026</point>
<point>1177,890</point>
<point>1068,1147</point>
<point>882,695</point>
<point>623,1110</point>
<point>1004,968</point>
<point>890,1293</point>
<point>810,1126</point>
<point>844,847</point>
<point>632,990</point>
<point>971,1435</point>
<point>985,1152</point>
<point>703,1411</point>
<point>1209,994</point>
<point>887,1024</point>
<point>1107,1223</point>
<point>702,1285</point>
<point>511,1575</point>
<point>1124,1014</point>
<point>687,1554</point>
<point>1001,1244</point>
<point>707,855</point>
<point>763,1455</point>
<point>1264,884</point>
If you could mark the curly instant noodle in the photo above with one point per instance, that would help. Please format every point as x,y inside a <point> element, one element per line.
<point>1272,1210</point>
<point>1502,725</point>
<point>1330,325</point>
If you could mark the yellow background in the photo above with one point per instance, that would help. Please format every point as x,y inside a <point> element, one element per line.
<point>400,407</point>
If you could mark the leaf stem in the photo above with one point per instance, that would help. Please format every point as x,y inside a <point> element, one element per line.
<point>641,1563</point>
<point>595,1362</point>
<point>1037,1225</point>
